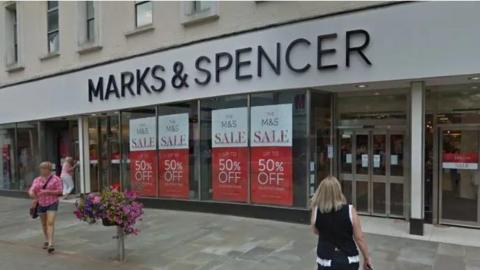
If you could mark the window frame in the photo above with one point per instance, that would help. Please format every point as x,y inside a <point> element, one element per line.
<point>191,12</point>
<point>90,36</point>
<point>138,4</point>
<point>55,31</point>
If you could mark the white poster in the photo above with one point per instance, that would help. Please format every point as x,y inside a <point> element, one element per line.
<point>230,127</point>
<point>460,165</point>
<point>364,160</point>
<point>271,125</point>
<point>142,134</point>
<point>173,131</point>
<point>376,161</point>
<point>394,160</point>
<point>348,158</point>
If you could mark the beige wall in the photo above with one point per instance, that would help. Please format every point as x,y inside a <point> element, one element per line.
<point>117,18</point>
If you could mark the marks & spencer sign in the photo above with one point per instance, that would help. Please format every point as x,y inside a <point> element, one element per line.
<point>244,63</point>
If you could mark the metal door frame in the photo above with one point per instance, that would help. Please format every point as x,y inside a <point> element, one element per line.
<point>387,179</point>
<point>440,129</point>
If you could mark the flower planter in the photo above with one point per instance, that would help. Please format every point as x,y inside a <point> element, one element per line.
<point>108,223</point>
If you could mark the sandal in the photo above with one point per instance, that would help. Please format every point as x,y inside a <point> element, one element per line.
<point>45,245</point>
<point>50,249</point>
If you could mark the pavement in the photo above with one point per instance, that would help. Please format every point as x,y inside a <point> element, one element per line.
<point>176,240</point>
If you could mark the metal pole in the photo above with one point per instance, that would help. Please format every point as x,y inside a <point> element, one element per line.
<point>120,244</point>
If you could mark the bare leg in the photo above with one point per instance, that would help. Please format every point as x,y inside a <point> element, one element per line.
<point>50,226</point>
<point>43,221</point>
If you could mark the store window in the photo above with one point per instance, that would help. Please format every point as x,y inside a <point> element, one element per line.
<point>224,148</point>
<point>52,27</point>
<point>8,179</point>
<point>278,150</point>
<point>143,13</point>
<point>28,156</point>
<point>139,151</point>
<point>178,150</point>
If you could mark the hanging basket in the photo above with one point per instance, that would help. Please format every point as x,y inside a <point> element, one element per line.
<point>108,223</point>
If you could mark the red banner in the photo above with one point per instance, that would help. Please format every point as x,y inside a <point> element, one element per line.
<point>143,172</point>
<point>174,173</point>
<point>460,157</point>
<point>272,175</point>
<point>229,174</point>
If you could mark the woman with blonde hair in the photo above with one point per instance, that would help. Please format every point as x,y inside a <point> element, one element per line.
<point>45,191</point>
<point>338,228</point>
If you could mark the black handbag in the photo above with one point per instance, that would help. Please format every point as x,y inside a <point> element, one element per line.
<point>34,209</point>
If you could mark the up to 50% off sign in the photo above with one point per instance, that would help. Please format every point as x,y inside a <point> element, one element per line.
<point>229,171</point>
<point>143,171</point>
<point>270,172</point>
<point>173,171</point>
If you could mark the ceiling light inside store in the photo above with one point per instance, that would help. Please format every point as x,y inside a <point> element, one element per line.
<point>361,86</point>
<point>475,78</point>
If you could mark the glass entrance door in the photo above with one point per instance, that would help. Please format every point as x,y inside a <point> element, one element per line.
<point>104,135</point>
<point>459,176</point>
<point>371,166</point>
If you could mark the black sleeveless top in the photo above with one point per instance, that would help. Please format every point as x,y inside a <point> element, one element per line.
<point>335,231</point>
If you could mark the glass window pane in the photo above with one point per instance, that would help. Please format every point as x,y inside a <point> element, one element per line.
<point>91,30</point>
<point>396,155</point>
<point>144,14</point>
<point>346,152</point>
<point>90,9</point>
<point>52,20</point>
<point>379,148</point>
<point>27,153</point>
<point>224,168</point>
<point>203,5</point>
<point>396,199</point>
<point>8,179</point>
<point>52,4</point>
<point>94,154</point>
<point>362,159</point>
<point>379,198</point>
<point>53,42</point>
<point>362,196</point>
<point>291,161</point>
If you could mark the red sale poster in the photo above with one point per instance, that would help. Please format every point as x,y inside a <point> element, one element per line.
<point>230,154</point>
<point>174,173</point>
<point>173,167</point>
<point>271,154</point>
<point>143,163</point>
<point>230,174</point>
<point>143,172</point>
<point>462,161</point>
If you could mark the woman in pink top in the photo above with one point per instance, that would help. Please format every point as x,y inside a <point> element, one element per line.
<point>45,190</point>
<point>68,168</point>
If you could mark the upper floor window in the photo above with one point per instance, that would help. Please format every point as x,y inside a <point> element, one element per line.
<point>90,21</point>
<point>195,11</point>
<point>143,13</point>
<point>11,32</point>
<point>52,27</point>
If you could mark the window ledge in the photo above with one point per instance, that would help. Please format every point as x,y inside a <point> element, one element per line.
<point>15,67</point>
<point>88,48</point>
<point>50,56</point>
<point>140,30</point>
<point>199,18</point>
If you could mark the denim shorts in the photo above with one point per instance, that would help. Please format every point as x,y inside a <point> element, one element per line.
<point>48,208</point>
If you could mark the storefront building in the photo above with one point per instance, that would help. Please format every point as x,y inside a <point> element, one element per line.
<point>249,122</point>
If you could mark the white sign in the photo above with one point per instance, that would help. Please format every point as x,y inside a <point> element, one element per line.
<point>460,165</point>
<point>364,160</point>
<point>142,133</point>
<point>173,131</point>
<point>271,125</point>
<point>348,158</point>
<point>230,127</point>
<point>394,160</point>
<point>330,151</point>
<point>376,161</point>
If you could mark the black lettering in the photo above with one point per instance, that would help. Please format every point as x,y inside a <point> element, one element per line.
<point>262,54</point>
<point>359,49</point>
<point>207,73</point>
<point>141,80</point>
<point>239,63</point>
<point>321,52</point>
<point>290,47</point>
<point>220,68</point>
<point>95,91</point>
<point>111,87</point>
<point>155,70</point>
<point>126,81</point>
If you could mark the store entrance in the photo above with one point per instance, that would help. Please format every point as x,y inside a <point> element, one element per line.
<point>372,165</point>
<point>459,176</point>
<point>104,148</point>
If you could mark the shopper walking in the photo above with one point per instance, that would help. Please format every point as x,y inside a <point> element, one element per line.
<point>338,228</point>
<point>45,191</point>
<point>68,168</point>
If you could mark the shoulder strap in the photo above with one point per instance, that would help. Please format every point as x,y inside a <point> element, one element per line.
<point>46,183</point>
